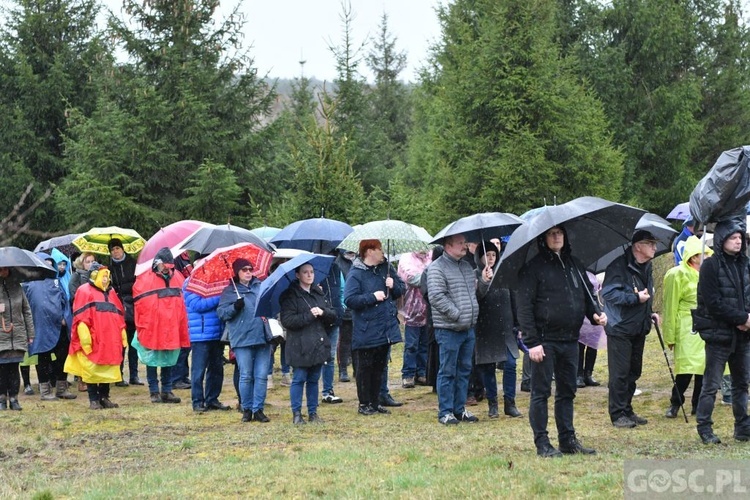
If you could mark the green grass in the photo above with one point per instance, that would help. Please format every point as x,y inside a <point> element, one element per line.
<point>143,450</point>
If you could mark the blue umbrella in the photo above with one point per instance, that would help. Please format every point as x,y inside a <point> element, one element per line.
<point>318,235</point>
<point>276,284</point>
<point>266,232</point>
<point>680,212</point>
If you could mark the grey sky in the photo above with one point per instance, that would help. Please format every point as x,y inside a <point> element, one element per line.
<point>281,32</point>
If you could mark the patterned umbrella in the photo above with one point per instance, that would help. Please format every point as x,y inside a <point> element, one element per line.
<point>213,273</point>
<point>395,236</point>
<point>95,240</point>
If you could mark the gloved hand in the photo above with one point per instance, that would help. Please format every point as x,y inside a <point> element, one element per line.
<point>239,304</point>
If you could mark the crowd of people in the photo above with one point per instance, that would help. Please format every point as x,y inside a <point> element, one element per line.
<point>461,327</point>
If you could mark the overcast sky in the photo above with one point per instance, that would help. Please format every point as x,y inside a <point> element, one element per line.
<point>283,32</point>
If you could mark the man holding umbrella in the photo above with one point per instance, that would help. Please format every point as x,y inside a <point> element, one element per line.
<point>551,303</point>
<point>628,296</point>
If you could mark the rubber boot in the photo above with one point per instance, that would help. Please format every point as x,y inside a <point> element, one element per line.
<point>45,392</point>
<point>510,408</point>
<point>493,411</point>
<point>62,392</point>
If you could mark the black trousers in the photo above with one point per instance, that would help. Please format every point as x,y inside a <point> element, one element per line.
<point>132,353</point>
<point>49,370</point>
<point>10,379</point>
<point>625,356</point>
<point>682,381</point>
<point>98,392</point>
<point>369,364</point>
<point>344,349</point>
<point>586,358</point>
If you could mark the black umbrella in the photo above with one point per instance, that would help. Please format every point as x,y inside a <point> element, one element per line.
<point>652,223</point>
<point>63,243</point>
<point>480,227</point>
<point>24,265</point>
<point>208,239</point>
<point>594,227</point>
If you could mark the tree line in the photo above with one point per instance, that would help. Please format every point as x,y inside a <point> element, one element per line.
<point>161,115</point>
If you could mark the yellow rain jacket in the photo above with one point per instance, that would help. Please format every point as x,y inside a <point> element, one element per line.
<point>680,296</point>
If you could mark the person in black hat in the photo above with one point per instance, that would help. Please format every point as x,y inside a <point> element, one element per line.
<point>628,292</point>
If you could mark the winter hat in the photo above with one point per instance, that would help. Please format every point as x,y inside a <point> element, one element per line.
<point>366,245</point>
<point>643,235</point>
<point>481,250</point>
<point>238,264</point>
<point>115,242</point>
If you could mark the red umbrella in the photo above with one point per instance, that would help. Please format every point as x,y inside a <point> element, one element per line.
<point>169,236</point>
<point>214,273</point>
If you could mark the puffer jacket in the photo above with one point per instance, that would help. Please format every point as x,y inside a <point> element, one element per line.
<point>307,342</point>
<point>245,329</point>
<point>452,291</point>
<point>626,315</point>
<point>723,293</point>
<point>374,323</point>
<point>18,325</point>
<point>551,301</point>
<point>204,324</point>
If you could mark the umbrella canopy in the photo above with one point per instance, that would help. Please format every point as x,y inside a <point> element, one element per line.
<point>266,232</point>
<point>652,223</point>
<point>594,227</point>
<point>680,212</point>
<point>213,273</point>
<point>95,240</point>
<point>480,227</point>
<point>169,236</point>
<point>318,235</point>
<point>208,239</point>
<point>279,281</point>
<point>24,265</point>
<point>63,243</point>
<point>396,237</point>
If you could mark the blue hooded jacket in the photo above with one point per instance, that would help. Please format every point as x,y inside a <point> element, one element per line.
<point>203,321</point>
<point>49,307</point>
<point>58,256</point>
<point>245,329</point>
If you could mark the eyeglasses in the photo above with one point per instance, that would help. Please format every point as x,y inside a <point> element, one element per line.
<point>652,244</point>
<point>246,269</point>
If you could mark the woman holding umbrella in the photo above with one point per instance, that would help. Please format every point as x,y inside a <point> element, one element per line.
<point>370,292</point>
<point>306,315</point>
<point>17,334</point>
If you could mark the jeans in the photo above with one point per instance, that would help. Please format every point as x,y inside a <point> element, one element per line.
<point>209,366</point>
<point>181,370</point>
<point>717,356</point>
<point>456,352</point>
<point>560,358</point>
<point>625,356</point>
<point>330,364</point>
<point>369,364</point>
<point>153,380</point>
<point>285,368</point>
<point>252,363</point>
<point>488,377</point>
<point>415,351</point>
<point>307,378</point>
<point>509,376</point>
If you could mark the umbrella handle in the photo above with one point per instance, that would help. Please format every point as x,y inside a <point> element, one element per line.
<point>235,288</point>
<point>5,329</point>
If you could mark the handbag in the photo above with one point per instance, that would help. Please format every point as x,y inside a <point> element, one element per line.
<point>273,330</point>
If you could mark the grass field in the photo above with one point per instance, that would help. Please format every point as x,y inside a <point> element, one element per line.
<point>142,450</point>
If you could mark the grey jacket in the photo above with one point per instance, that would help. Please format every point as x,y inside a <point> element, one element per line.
<point>452,292</point>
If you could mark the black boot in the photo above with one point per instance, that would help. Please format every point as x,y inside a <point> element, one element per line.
<point>588,379</point>
<point>510,408</point>
<point>580,382</point>
<point>493,412</point>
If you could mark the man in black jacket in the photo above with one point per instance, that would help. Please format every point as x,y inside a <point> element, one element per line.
<point>723,322</point>
<point>122,269</point>
<point>551,303</point>
<point>628,291</point>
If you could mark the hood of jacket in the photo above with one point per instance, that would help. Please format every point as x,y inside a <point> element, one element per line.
<point>694,246</point>
<point>488,246</point>
<point>727,228</point>
<point>541,242</point>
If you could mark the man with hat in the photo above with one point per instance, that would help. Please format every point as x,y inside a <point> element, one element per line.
<point>122,269</point>
<point>628,291</point>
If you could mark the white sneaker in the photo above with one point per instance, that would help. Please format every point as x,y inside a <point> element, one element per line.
<point>270,382</point>
<point>448,419</point>
<point>637,392</point>
<point>331,398</point>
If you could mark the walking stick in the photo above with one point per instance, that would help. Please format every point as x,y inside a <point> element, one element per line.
<point>671,372</point>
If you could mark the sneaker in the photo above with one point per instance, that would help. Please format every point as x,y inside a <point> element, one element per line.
<point>366,410</point>
<point>247,416</point>
<point>155,397</point>
<point>548,451</point>
<point>638,420</point>
<point>181,385</point>
<point>28,390</point>
<point>726,400</point>
<point>408,383</point>
<point>624,423</point>
<point>169,397</point>
<point>421,380</point>
<point>259,416</point>
<point>709,438</point>
<point>573,446</point>
<point>331,398</point>
<point>344,377</point>
<point>200,409</point>
<point>381,409</point>
<point>286,380</point>
<point>270,382</point>
<point>466,416</point>
<point>448,419</point>
<point>121,383</point>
